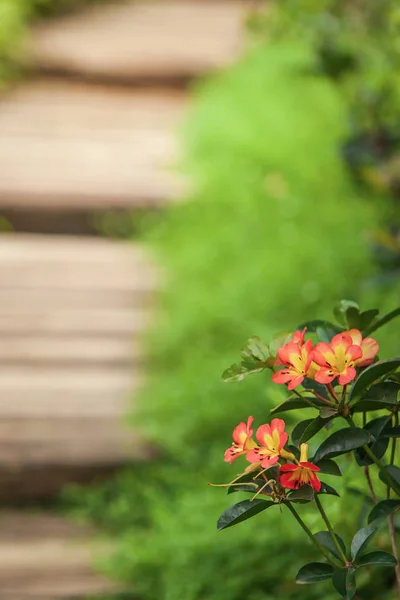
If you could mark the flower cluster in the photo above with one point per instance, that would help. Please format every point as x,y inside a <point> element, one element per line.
<point>270,451</point>
<point>324,362</point>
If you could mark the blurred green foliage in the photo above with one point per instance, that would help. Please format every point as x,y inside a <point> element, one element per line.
<point>273,233</point>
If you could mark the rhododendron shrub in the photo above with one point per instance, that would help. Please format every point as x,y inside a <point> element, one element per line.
<point>334,370</point>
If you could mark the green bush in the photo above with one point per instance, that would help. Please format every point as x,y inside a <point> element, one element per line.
<point>273,232</point>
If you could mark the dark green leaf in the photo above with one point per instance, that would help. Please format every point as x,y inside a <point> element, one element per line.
<point>383,509</point>
<point>327,411</point>
<point>325,539</point>
<point>382,394</point>
<point>341,442</point>
<point>314,573</point>
<point>328,466</point>
<point>296,403</point>
<point>327,489</point>
<point>390,475</point>
<point>326,332</point>
<point>367,405</point>
<point>371,374</point>
<point>241,512</point>
<point>313,428</point>
<point>341,309</point>
<point>304,494</point>
<point>361,539</point>
<point>312,326</point>
<point>244,487</point>
<point>392,432</point>
<point>344,581</point>
<point>353,318</point>
<point>379,445</point>
<point>310,384</point>
<point>368,317</point>
<point>298,431</point>
<point>383,559</point>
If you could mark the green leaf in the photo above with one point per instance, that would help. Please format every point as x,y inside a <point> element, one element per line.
<point>310,384</point>
<point>326,332</point>
<point>328,467</point>
<point>313,428</point>
<point>241,512</point>
<point>341,308</point>
<point>390,474</point>
<point>382,395</point>
<point>298,431</point>
<point>256,349</point>
<point>353,318</point>
<point>296,403</point>
<point>344,581</point>
<point>238,372</point>
<point>383,559</point>
<point>341,442</point>
<point>368,317</point>
<point>361,539</point>
<point>303,494</point>
<point>327,411</point>
<point>392,432</point>
<point>327,489</point>
<point>314,573</point>
<point>383,509</point>
<point>371,374</point>
<point>314,325</point>
<point>325,539</point>
<point>379,445</point>
<point>279,340</point>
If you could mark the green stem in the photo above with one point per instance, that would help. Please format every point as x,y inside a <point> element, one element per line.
<point>330,529</point>
<point>310,535</point>
<point>325,400</point>
<point>394,485</point>
<point>381,322</point>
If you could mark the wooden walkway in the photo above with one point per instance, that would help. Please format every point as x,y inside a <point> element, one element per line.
<point>92,130</point>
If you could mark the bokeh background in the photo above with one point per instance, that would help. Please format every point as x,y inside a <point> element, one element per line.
<point>175,177</point>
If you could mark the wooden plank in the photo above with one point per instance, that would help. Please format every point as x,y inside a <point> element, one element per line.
<point>76,352</point>
<point>30,391</point>
<point>69,147</point>
<point>155,41</point>
<point>27,443</point>
<point>44,556</point>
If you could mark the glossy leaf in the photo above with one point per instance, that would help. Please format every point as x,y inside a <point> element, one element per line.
<point>392,432</point>
<point>341,308</point>
<point>371,374</point>
<point>361,539</point>
<point>383,509</point>
<point>312,326</point>
<point>314,427</point>
<point>314,573</point>
<point>241,512</point>
<point>383,395</point>
<point>344,581</point>
<point>327,489</point>
<point>325,539</point>
<point>341,442</point>
<point>328,467</point>
<point>390,475</point>
<point>367,318</point>
<point>380,443</point>
<point>383,559</point>
<point>303,494</point>
<point>295,404</point>
<point>310,384</point>
<point>326,332</point>
<point>298,431</point>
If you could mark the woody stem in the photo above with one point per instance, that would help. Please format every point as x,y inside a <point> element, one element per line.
<point>330,529</point>
<point>310,535</point>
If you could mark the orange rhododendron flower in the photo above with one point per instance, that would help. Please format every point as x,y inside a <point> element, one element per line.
<point>293,476</point>
<point>369,347</point>
<point>272,439</point>
<point>297,359</point>
<point>298,337</point>
<point>337,359</point>
<point>242,441</point>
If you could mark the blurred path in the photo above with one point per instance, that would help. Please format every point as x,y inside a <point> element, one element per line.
<point>91,131</point>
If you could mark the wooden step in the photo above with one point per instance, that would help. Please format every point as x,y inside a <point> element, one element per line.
<point>45,557</point>
<point>141,42</point>
<point>71,314</point>
<point>76,150</point>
